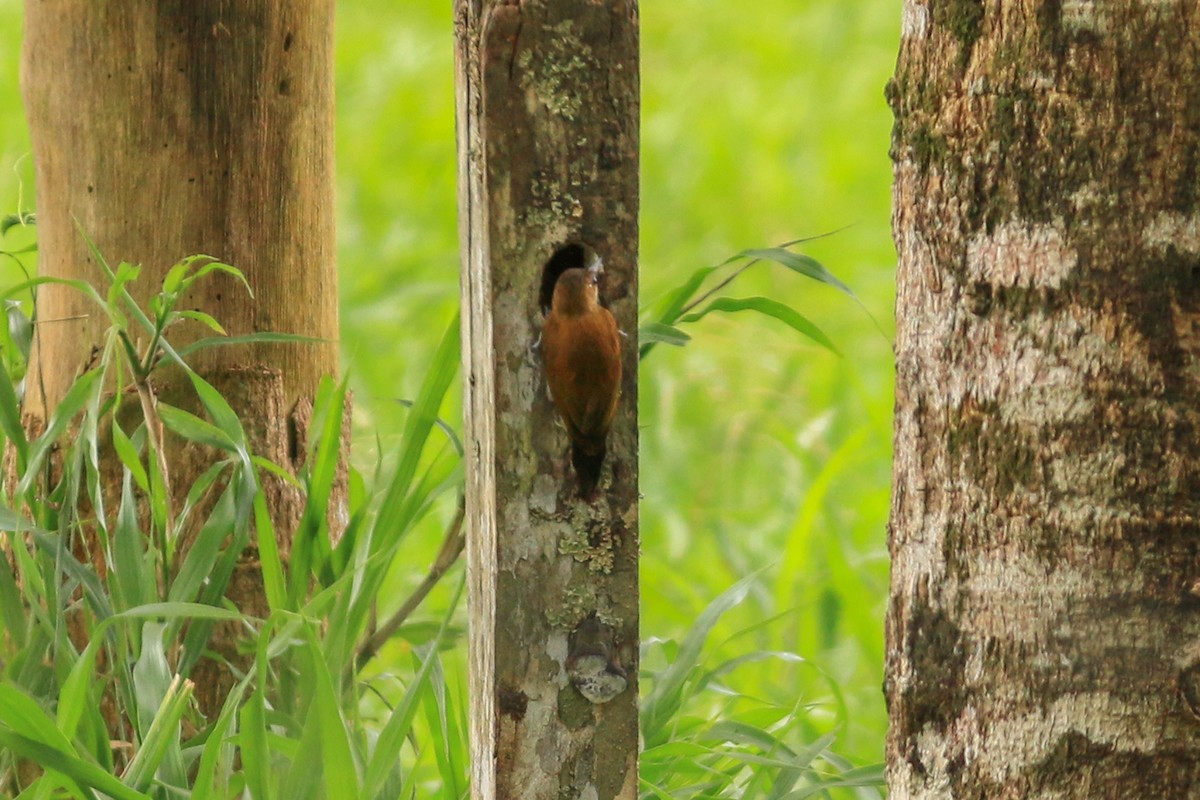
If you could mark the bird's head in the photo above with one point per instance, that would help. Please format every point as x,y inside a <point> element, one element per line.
<point>576,292</point>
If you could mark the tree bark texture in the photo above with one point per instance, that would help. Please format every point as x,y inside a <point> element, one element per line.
<point>548,140</point>
<point>1043,630</point>
<point>164,129</point>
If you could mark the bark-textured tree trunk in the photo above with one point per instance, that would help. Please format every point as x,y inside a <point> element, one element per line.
<point>1043,634</point>
<point>548,138</point>
<point>169,128</point>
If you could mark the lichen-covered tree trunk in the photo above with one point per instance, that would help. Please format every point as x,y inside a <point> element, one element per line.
<point>548,139</point>
<point>1044,625</point>
<point>165,129</point>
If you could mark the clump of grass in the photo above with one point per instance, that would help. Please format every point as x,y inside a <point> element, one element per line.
<point>704,738</point>
<point>96,662</point>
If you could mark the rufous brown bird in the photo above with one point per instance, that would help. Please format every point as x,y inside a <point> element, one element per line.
<point>581,350</point>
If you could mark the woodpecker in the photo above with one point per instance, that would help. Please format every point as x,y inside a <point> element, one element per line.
<point>581,351</point>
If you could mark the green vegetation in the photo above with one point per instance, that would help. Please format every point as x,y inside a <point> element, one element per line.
<point>763,454</point>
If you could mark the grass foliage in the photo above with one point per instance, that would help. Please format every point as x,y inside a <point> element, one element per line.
<point>106,614</point>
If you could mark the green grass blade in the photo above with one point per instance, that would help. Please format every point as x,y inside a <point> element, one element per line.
<point>660,332</point>
<point>252,338</point>
<point>73,403</point>
<point>12,608</point>
<point>66,763</point>
<point>212,773</point>
<point>274,582</point>
<point>213,591</point>
<point>151,675</point>
<point>311,547</point>
<point>796,556</point>
<point>274,469</point>
<point>128,455</point>
<point>868,776</point>
<point>220,412</point>
<point>798,262</point>
<point>667,695</point>
<point>443,729</point>
<point>76,697</point>
<point>202,556</point>
<point>159,752</point>
<point>206,320</point>
<point>25,717</point>
<point>26,286</point>
<point>192,428</point>
<point>198,491</point>
<point>10,419</point>
<point>424,414</point>
<point>256,758</point>
<point>771,308</point>
<point>672,306</point>
<point>305,773</point>
<point>134,572</point>
<point>85,574</point>
<point>399,725</point>
<point>341,777</point>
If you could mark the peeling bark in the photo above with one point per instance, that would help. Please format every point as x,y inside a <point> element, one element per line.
<point>1042,632</point>
<point>548,137</point>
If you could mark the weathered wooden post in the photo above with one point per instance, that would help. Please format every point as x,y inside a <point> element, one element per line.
<point>548,160</point>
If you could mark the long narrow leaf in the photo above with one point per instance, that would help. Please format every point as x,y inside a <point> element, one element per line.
<point>159,752</point>
<point>399,726</point>
<point>134,575</point>
<point>211,758</point>
<point>416,429</point>
<point>660,332</point>
<point>12,609</point>
<point>771,308</point>
<point>256,758</point>
<point>127,453</point>
<point>80,771</point>
<point>666,697</point>
<point>202,556</point>
<point>268,553</point>
<point>219,410</point>
<point>25,286</point>
<point>872,775</point>
<point>798,262</point>
<point>25,717</point>
<point>264,337</point>
<point>10,418</point>
<point>341,778</point>
<point>312,539</point>
<point>73,403</point>
<point>191,427</point>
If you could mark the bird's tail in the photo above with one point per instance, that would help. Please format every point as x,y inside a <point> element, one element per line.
<point>587,460</point>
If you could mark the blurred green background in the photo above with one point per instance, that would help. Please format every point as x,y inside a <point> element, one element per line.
<point>762,122</point>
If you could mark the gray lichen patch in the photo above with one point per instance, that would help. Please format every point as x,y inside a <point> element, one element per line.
<point>579,601</point>
<point>591,540</point>
<point>555,77</point>
<point>553,203</point>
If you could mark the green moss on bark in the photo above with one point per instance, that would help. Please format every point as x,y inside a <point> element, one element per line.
<point>964,20</point>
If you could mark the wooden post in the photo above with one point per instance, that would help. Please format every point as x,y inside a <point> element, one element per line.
<point>548,159</point>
